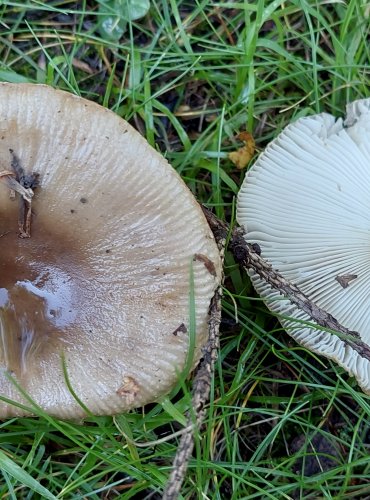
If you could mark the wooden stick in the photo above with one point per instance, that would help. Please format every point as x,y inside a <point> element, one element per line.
<point>201,390</point>
<point>247,256</point>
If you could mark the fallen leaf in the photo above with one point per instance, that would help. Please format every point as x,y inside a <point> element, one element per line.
<point>243,155</point>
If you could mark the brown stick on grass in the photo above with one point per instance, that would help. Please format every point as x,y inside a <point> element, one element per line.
<point>201,390</point>
<point>248,257</point>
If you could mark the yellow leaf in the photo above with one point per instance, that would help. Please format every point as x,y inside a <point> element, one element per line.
<point>243,155</point>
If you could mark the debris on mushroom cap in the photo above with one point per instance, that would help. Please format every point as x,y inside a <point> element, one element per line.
<point>306,203</point>
<point>103,282</point>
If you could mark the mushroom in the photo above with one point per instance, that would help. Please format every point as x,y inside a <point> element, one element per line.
<point>101,292</point>
<point>306,203</point>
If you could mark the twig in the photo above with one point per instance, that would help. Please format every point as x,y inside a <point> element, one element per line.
<point>248,256</point>
<point>7,177</point>
<point>18,181</point>
<point>25,213</point>
<point>201,390</point>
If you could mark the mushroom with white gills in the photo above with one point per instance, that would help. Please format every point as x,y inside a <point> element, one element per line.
<point>104,280</point>
<point>306,203</point>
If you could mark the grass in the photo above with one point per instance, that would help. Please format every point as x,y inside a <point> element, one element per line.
<point>282,423</point>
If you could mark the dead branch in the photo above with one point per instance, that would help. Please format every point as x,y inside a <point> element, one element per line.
<point>201,390</point>
<point>248,256</point>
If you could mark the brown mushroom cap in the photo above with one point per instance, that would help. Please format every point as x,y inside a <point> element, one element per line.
<point>104,281</point>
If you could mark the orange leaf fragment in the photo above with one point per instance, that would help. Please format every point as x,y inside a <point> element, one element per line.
<point>243,155</point>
